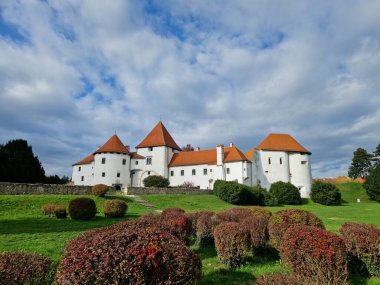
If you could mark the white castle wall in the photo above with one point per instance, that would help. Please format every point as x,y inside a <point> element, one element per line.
<point>300,171</point>
<point>85,171</point>
<point>112,166</point>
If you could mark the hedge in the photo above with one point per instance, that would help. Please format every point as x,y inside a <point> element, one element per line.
<point>55,211</point>
<point>325,193</point>
<point>114,208</point>
<point>286,193</point>
<point>156,181</point>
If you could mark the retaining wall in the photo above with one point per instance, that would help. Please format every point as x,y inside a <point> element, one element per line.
<point>7,188</point>
<point>156,190</point>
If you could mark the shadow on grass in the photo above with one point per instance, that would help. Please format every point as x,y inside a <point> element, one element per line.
<point>51,225</point>
<point>225,276</point>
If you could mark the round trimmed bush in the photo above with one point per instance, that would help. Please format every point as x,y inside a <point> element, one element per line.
<point>99,190</point>
<point>286,193</point>
<point>232,192</point>
<point>25,268</point>
<point>193,217</point>
<point>172,211</point>
<point>269,199</point>
<point>234,215</point>
<point>115,208</point>
<point>259,211</point>
<point>156,181</point>
<point>128,253</point>
<point>282,220</point>
<point>278,278</point>
<point>231,240</point>
<point>206,223</point>
<point>55,211</point>
<point>363,244</point>
<point>325,193</point>
<point>257,230</point>
<point>316,255</point>
<point>82,209</point>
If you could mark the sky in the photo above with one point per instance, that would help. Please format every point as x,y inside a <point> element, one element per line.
<point>72,73</point>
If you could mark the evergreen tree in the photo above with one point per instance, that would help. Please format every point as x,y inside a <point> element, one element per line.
<point>372,184</point>
<point>18,163</point>
<point>376,155</point>
<point>361,164</point>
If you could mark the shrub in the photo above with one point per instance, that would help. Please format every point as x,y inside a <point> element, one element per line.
<point>257,230</point>
<point>256,195</point>
<point>206,223</point>
<point>269,199</point>
<point>128,253</point>
<point>193,217</point>
<point>277,279</point>
<point>178,225</point>
<point>82,209</point>
<point>55,211</point>
<point>316,255</point>
<point>286,193</point>
<point>25,268</point>
<point>114,208</point>
<point>232,192</point>
<point>372,184</point>
<point>259,211</point>
<point>187,184</point>
<point>281,220</point>
<point>363,243</point>
<point>156,181</point>
<point>325,193</point>
<point>233,215</point>
<point>231,239</point>
<point>172,211</point>
<point>99,190</point>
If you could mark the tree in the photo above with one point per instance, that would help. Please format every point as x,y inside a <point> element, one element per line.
<point>372,184</point>
<point>376,155</point>
<point>55,179</point>
<point>361,164</point>
<point>18,163</point>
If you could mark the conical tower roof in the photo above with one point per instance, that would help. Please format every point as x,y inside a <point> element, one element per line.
<point>159,136</point>
<point>281,142</point>
<point>114,145</point>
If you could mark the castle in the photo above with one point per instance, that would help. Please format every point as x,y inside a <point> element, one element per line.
<point>279,157</point>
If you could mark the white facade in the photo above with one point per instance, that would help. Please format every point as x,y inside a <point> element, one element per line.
<point>114,165</point>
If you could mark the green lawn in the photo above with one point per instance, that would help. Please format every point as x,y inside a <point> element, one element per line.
<point>23,227</point>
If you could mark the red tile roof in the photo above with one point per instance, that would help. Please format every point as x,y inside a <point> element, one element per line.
<point>115,145</point>
<point>86,160</point>
<point>249,154</point>
<point>136,156</point>
<point>281,142</point>
<point>231,154</point>
<point>159,136</point>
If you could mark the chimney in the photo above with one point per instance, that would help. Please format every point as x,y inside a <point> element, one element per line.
<point>197,148</point>
<point>231,144</point>
<point>219,154</point>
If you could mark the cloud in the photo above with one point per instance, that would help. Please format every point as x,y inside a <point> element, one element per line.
<point>74,72</point>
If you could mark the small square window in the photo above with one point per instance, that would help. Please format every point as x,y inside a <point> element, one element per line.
<point>182,172</point>
<point>82,178</point>
<point>103,160</point>
<point>205,171</point>
<point>210,170</point>
<point>228,171</point>
<point>124,161</point>
<point>148,172</point>
<point>304,162</point>
<point>150,148</point>
<point>172,173</point>
<point>136,162</point>
<point>103,174</point>
<point>79,168</point>
<point>269,160</point>
<point>193,172</point>
<point>118,174</point>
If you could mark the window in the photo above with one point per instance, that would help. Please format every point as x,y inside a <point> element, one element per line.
<point>228,171</point>
<point>266,171</point>
<point>118,174</point>
<point>150,148</point>
<point>210,170</point>
<point>79,168</point>
<point>193,172</point>
<point>172,173</point>
<point>136,162</point>
<point>149,160</point>
<point>205,171</point>
<point>269,160</point>
<point>182,172</point>
<point>280,160</point>
<point>304,162</point>
<point>148,172</point>
<point>82,178</point>
<point>124,161</point>
<point>103,174</point>
<point>103,160</point>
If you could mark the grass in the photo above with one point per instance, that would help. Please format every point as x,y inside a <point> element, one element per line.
<point>23,227</point>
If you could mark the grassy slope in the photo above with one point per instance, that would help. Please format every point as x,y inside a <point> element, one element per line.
<point>23,227</point>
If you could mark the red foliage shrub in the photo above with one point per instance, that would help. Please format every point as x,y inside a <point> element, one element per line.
<point>193,217</point>
<point>99,190</point>
<point>281,220</point>
<point>128,253</point>
<point>82,209</point>
<point>316,255</point>
<point>114,208</point>
<point>172,211</point>
<point>234,215</point>
<point>363,243</point>
<point>55,211</point>
<point>24,268</point>
<point>177,224</point>
<point>257,230</point>
<point>230,241</point>
<point>205,229</point>
<point>260,211</point>
<point>277,279</point>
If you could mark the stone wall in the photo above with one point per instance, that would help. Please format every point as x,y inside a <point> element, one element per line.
<point>7,188</point>
<point>155,190</point>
